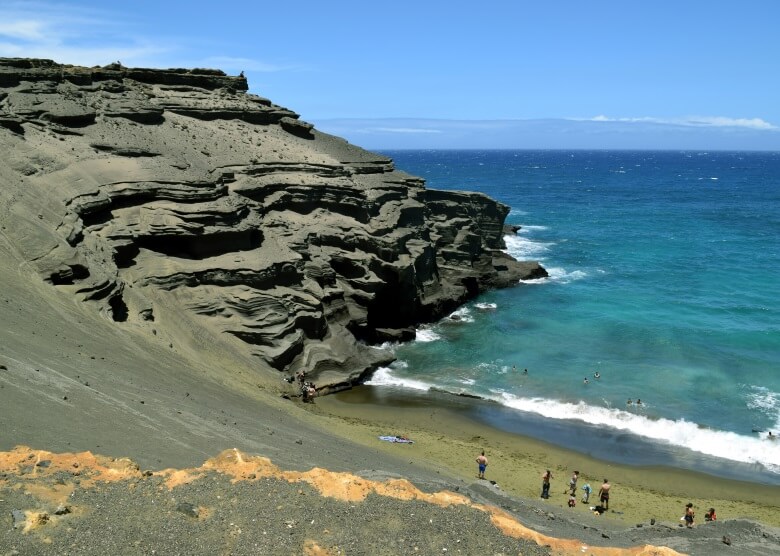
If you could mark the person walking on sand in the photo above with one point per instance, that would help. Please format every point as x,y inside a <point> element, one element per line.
<point>689,513</point>
<point>546,476</point>
<point>604,494</point>
<point>482,464</point>
<point>573,483</point>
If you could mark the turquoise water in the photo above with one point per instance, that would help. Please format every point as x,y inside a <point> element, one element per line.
<point>664,271</point>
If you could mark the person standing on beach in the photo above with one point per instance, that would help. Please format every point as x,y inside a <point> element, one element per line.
<point>573,483</point>
<point>689,513</point>
<point>604,494</point>
<point>482,464</point>
<point>546,476</point>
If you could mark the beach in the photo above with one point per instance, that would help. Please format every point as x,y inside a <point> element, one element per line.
<point>445,440</point>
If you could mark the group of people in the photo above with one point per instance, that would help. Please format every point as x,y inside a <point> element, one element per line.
<point>690,514</point>
<point>572,490</point>
<point>482,463</point>
<point>308,390</point>
<point>603,493</point>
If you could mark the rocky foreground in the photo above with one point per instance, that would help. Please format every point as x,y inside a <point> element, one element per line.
<point>235,504</point>
<point>173,199</point>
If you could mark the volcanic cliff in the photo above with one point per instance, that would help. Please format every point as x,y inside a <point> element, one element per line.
<point>173,200</point>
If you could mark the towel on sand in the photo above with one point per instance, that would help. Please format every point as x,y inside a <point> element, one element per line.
<point>396,439</point>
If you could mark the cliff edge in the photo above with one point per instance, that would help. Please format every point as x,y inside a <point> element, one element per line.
<point>176,204</point>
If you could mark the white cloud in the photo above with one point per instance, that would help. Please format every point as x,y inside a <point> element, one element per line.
<point>693,121</point>
<point>73,35</point>
<point>70,35</point>
<point>27,30</point>
<point>720,121</point>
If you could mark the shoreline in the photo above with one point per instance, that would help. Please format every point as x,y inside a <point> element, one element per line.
<point>614,445</point>
<point>448,435</point>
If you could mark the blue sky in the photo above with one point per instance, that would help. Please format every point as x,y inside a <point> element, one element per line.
<point>567,74</point>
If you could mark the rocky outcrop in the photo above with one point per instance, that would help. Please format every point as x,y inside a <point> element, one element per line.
<point>172,198</point>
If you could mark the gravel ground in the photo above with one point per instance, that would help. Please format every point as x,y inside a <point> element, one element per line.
<point>268,516</point>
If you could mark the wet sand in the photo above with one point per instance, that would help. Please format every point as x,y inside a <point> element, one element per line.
<point>448,437</point>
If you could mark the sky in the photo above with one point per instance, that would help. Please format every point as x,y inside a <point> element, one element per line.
<point>453,74</point>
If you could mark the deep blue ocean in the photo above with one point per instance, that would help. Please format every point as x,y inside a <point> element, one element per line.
<point>664,279</point>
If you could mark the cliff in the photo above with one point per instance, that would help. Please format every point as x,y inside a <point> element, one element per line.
<point>178,205</point>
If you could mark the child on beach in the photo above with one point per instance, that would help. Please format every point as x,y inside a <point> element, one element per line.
<point>572,501</point>
<point>710,515</point>
<point>588,489</point>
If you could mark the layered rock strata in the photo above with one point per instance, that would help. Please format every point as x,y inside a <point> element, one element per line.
<point>174,199</point>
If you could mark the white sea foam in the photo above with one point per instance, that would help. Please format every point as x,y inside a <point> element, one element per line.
<point>426,335</point>
<point>557,274</point>
<point>522,248</point>
<point>486,306</point>
<point>517,212</point>
<point>463,314</point>
<point>530,228</point>
<point>767,402</point>
<point>682,433</point>
<point>384,376</point>
<point>387,346</point>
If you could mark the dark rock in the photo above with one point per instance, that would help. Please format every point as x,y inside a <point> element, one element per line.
<point>297,127</point>
<point>188,509</point>
<point>301,249</point>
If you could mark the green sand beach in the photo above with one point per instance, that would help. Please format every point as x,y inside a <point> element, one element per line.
<point>444,440</point>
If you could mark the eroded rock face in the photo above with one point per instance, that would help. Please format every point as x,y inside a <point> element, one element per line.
<point>172,198</point>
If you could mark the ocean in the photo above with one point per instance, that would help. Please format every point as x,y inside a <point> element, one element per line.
<point>664,271</point>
